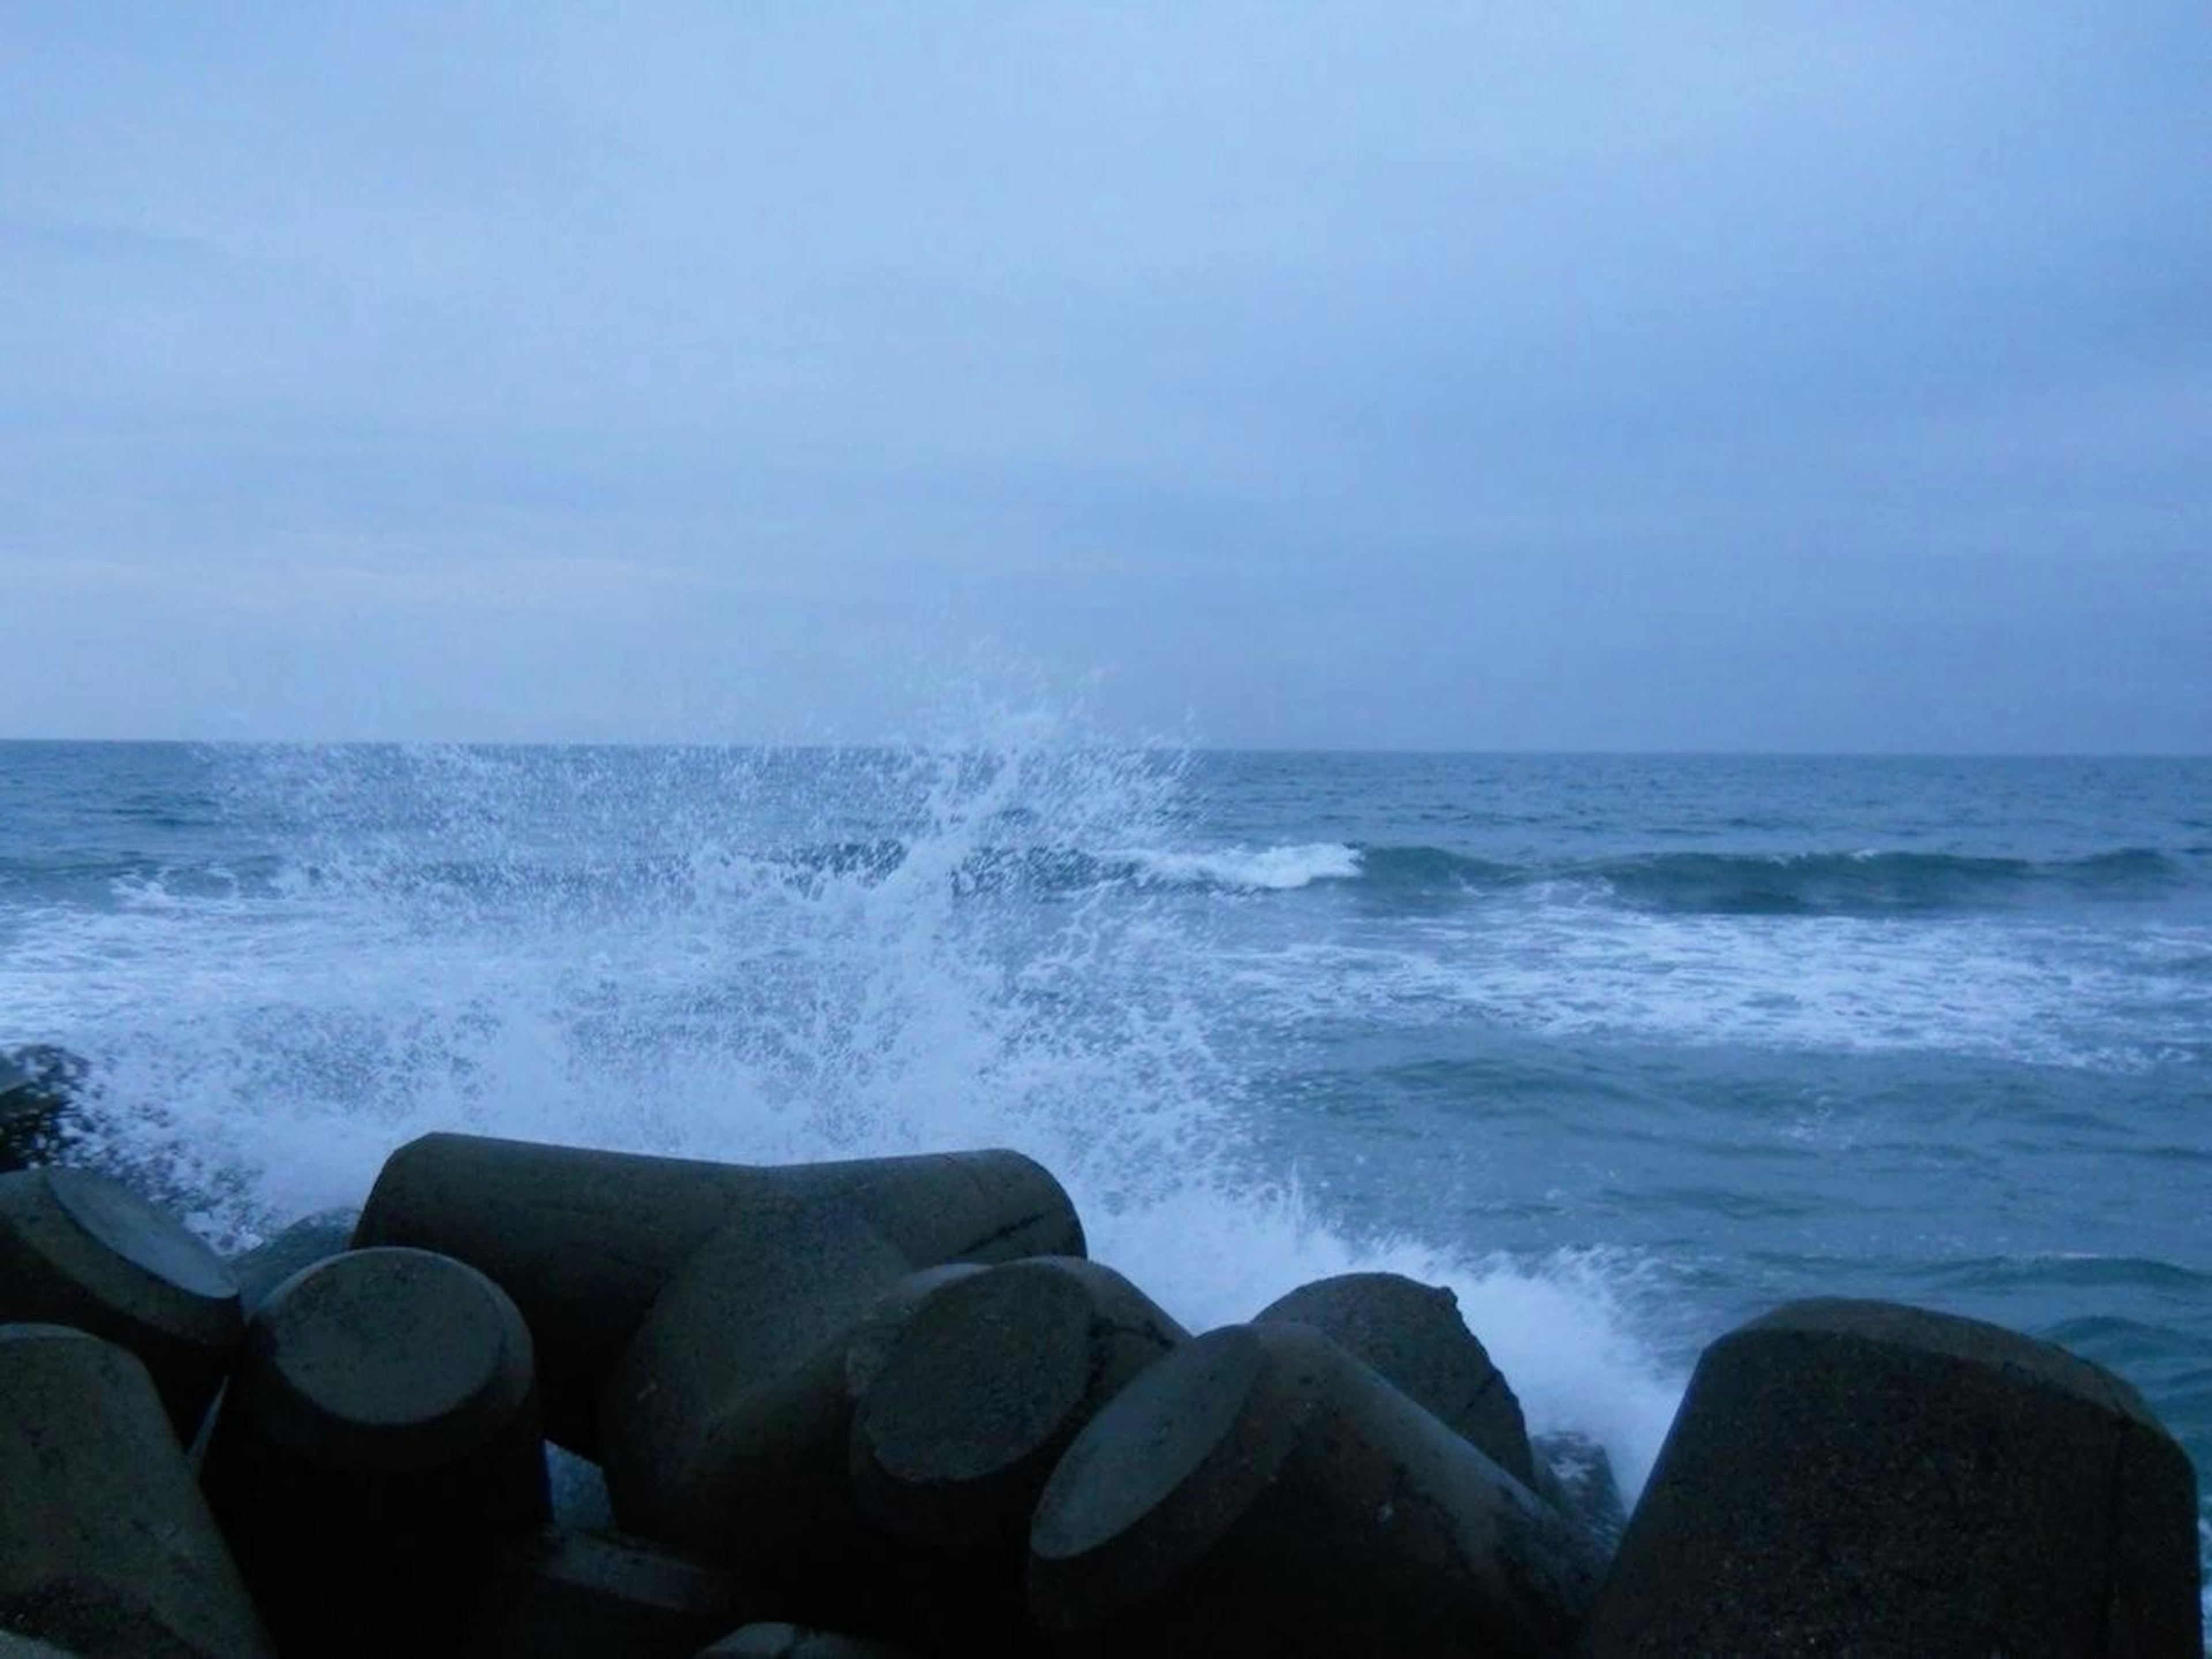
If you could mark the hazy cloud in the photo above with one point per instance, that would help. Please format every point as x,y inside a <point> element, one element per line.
<point>1581,376</point>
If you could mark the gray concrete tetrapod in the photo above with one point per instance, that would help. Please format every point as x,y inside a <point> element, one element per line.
<point>562,1594</point>
<point>78,1247</point>
<point>985,1388</point>
<point>106,1546</point>
<point>1412,1335</point>
<point>376,1449</point>
<point>767,1490</point>
<point>953,1439</point>
<point>586,1240</point>
<point>1866,1478</point>
<point>776,1288</point>
<point>1260,1492</point>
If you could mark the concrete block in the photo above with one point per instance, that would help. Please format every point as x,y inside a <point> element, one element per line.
<point>80,1248</point>
<point>1870,1479</point>
<point>953,1439</point>
<point>1413,1336</point>
<point>377,1447</point>
<point>769,1490</point>
<point>1259,1491</point>
<point>984,1390</point>
<point>586,1242</point>
<point>106,1546</point>
<point>765,1300</point>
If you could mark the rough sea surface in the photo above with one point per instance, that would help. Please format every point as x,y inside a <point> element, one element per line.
<point>1624,1050</point>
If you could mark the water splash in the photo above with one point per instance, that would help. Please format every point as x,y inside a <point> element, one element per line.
<point>758,955</point>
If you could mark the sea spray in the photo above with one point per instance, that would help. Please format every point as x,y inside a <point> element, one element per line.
<point>764,955</point>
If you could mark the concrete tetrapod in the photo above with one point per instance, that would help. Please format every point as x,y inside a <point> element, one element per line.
<point>1259,1491</point>
<point>107,1547</point>
<point>376,1450</point>
<point>778,1287</point>
<point>985,1388</point>
<point>1413,1336</point>
<point>78,1247</point>
<point>586,1240</point>
<point>1870,1478</point>
<point>767,1492</point>
<point>955,1437</point>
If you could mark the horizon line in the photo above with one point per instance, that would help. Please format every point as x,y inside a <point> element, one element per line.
<point>1530,753</point>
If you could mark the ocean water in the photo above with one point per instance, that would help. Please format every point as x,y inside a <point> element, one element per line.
<point>1624,1050</point>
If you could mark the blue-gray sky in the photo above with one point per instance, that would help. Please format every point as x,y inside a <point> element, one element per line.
<point>1464,376</point>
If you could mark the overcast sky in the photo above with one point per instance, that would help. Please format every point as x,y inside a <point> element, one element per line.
<point>1767,376</point>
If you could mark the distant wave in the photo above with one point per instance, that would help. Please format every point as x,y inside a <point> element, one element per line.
<point>1846,883</point>
<point>1867,884</point>
<point>1710,884</point>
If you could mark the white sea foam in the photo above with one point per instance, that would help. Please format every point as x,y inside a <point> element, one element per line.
<point>1274,869</point>
<point>1552,962</point>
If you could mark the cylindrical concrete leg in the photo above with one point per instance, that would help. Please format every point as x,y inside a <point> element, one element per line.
<point>1260,1492</point>
<point>770,1293</point>
<point>1412,1335</point>
<point>80,1248</point>
<point>586,1242</point>
<point>986,1388</point>
<point>106,1546</point>
<point>1865,1477</point>
<point>377,1448</point>
<point>953,1439</point>
<point>769,1494</point>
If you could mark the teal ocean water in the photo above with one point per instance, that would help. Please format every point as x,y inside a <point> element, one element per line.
<point>1623,1049</point>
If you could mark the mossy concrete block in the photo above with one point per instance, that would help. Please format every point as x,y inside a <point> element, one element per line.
<point>106,1546</point>
<point>1870,1478</point>
<point>80,1248</point>
<point>1411,1334</point>
<point>1259,1491</point>
<point>378,1446</point>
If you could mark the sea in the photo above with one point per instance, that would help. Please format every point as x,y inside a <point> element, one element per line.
<point>1624,1050</point>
